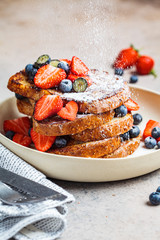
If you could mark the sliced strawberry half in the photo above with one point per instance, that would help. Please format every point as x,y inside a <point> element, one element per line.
<point>22,139</point>
<point>149,126</point>
<point>66,60</point>
<point>69,111</point>
<point>47,105</point>
<point>73,77</point>
<point>41,142</point>
<point>78,67</point>
<point>49,76</point>
<point>19,125</point>
<point>131,105</point>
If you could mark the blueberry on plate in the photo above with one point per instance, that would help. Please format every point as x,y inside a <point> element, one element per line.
<point>158,189</point>
<point>125,136</point>
<point>137,118</point>
<point>133,79</point>
<point>119,71</point>
<point>155,132</point>
<point>28,69</point>
<point>29,132</point>
<point>154,198</point>
<point>158,145</point>
<point>121,111</point>
<point>18,96</point>
<point>65,86</point>
<point>32,74</point>
<point>150,142</point>
<point>42,60</point>
<point>60,142</point>
<point>64,66</point>
<point>134,132</point>
<point>9,134</point>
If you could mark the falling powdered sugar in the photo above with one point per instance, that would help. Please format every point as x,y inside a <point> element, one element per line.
<point>104,85</point>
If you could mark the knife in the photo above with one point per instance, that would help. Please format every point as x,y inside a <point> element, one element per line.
<point>29,187</point>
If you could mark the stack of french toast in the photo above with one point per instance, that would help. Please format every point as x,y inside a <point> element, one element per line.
<point>82,112</point>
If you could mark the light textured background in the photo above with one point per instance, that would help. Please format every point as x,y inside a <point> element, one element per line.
<point>95,31</point>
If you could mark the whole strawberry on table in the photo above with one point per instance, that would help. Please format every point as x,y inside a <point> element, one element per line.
<point>131,57</point>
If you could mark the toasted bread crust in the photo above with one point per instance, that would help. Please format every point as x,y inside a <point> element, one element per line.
<point>106,104</point>
<point>91,149</point>
<point>25,107</point>
<point>126,148</point>
<point>112,128</point>
<point>56,126</point>
<point>20,84</point>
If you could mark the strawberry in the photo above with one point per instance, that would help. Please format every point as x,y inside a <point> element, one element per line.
<point>19,125</point>
<point>78,67</point>
<point>149,126</point>
<point>42,142</point>
<point>66,60</point>
<point>49,76</point>
<point>145,65</point>
<point>22,139</point>
<point>131,105</point>
<point>47,105</point>
<point>73,77</point>
<point>126,58</point>
<point>69,111</point>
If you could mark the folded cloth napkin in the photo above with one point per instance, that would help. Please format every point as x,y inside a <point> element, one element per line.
<point>37,221</point>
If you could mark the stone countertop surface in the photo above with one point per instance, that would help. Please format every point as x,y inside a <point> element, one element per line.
<point>95,31</point>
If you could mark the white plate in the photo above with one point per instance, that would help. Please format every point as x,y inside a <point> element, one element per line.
<point>91,169</point>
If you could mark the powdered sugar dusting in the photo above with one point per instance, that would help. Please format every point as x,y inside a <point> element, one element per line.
<point>104,85</point>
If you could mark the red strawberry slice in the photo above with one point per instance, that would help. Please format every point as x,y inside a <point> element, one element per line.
<point>149,126</point>
<point>78,67</point>
<point>131,105</point>
<point>47,105</point>
<point>19,125</point>
<point>66,60</point>
<point>22,139</point>
<point>49,76</point>
<point>41,142</point>
<point>69,111</point>
<point>73,77</point>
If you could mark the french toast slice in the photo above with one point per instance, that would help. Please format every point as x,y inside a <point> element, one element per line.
<point>56,126</point>
<point>93,149</point>
<point>19,83</point>
<point>112,128</point>
<point>126,148</point>
<point>24,106</point>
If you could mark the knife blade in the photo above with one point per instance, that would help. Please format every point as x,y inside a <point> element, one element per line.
<point>30,187</point>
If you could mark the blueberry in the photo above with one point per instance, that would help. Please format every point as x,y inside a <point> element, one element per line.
<point>154,198</point>
<point>32,74</point>
<point>10,134</point>
<point>65,86</point>
<point>121,111</point>
<point>60,142</point>
<point>18,96</point>
<point>150,142</point>
<point>119,71</point>
<point>158,145</point>
<point>133,79</point>
<point>29,132</point>
<point>28,68</point>
<point>158,189</point>
<point>64,66</point>
<point>155,132</point>
<point>125,136</point>
<point>134,132</point>
<point>137,118</point>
